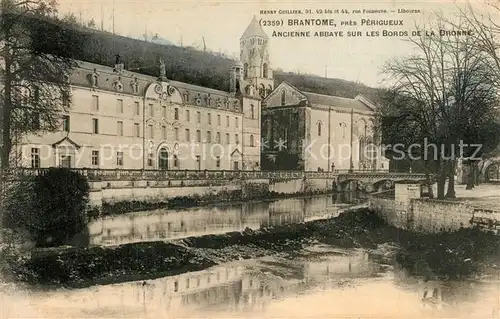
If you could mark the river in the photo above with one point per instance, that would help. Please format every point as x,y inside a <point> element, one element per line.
<point>321,283</point>
<point>166,224</point>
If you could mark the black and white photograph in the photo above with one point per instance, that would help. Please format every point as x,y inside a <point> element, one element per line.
<point>189,159</point>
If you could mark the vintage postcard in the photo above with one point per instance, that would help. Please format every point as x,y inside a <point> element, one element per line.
<point>257,159</point>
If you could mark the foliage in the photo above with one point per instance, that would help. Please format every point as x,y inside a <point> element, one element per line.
<point>34,62</point>
<point>443,95</point>
<point>51,207</point>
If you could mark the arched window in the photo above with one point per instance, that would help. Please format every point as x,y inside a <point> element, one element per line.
<point>237,86</point>
<point>262,90</point>
<point>319,128</point>
<point>283,98</point>
<point>245,70</point>
<point>252,141</point>
<point>264,71</point>
<point>252,111</point>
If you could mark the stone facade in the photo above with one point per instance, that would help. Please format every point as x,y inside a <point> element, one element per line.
<point>119,119</point>
<point>319,132</point>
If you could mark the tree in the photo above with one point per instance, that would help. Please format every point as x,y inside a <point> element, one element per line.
<point>35,62</point>
<point>485,29</point>
<point>51,207</point>
<point>434,98</point>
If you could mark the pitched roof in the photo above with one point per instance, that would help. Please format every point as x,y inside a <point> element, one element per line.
<point>254,29</point>
<point>337,101</point>
<point>66,138</point>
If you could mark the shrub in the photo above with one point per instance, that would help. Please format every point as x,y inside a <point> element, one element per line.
<point>51,207</point>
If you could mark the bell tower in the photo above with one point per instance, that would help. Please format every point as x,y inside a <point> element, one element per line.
<point>254,56</point>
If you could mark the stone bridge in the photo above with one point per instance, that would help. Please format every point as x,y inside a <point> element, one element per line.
<point>376,181</point>
<point>340,180</point>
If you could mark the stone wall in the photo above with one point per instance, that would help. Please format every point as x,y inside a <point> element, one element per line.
<point>436,215</point>
<point>156,191</point>
<point>433,216</point>
<point>392,211</point>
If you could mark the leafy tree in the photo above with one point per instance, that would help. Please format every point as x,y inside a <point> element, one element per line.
<point>434,100</point>
<point>35,61</point>
<point>51,207</point>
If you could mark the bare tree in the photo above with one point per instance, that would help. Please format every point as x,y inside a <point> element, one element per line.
<point>35,62</point>
<point>443,81</point>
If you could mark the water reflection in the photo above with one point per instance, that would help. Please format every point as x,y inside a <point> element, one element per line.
<point>218,219</point>
<point>321,284</point>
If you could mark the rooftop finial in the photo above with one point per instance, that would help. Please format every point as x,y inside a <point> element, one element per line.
<point>163,73</point>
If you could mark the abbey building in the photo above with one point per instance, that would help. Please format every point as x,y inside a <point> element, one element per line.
<point>119,119</point>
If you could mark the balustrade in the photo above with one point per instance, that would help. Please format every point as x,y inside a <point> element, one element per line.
<point>126,174</point>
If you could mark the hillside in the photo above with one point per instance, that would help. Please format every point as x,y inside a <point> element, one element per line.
<point>182,63</point>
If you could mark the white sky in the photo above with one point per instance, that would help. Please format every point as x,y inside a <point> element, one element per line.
<point>222,23</point>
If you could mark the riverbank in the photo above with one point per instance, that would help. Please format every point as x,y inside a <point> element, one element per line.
<point>458,255</point>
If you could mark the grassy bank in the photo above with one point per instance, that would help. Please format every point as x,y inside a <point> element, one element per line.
<point>456,255</point>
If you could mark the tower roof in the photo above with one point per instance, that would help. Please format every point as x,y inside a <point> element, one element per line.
<point>254,29</point>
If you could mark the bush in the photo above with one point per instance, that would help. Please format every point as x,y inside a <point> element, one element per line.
<point>51,207</point>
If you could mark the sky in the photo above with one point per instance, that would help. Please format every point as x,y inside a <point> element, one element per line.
<point>221,24</point>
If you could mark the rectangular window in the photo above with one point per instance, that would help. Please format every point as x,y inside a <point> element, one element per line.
<point>120,128</point>
<point>217,162</point>
<point>95,103</point>
<point>188,116</point>
<point>66,123</point>
<point>119,158</point>
<point>209,118</point>
<point>164,132</point>
<point>228,139</point>
<point>176,114</point>
<point>65,98</point>
<point>164,111</point>
<point>119,106</point>
<point>151,110</point>
<point>35,157</point>
<point>217,137</point>
<point>198,136</point>
<point>227,121</point>
<point>95,126</point>
<point>176,161</point>
<point>218,119</point>
<point>176,134</point>
<point>151,131</point>
<point>198,117</point>
<point>252,111</point>
<point>65,161</point>
<point>137,108</point>
<point>209,137</point>
<point>188,135</point>
<point>137,130</point>
<point>95,158</point>
<point>236,122</point>
<point>150,160</point>
<point>236,139</point>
